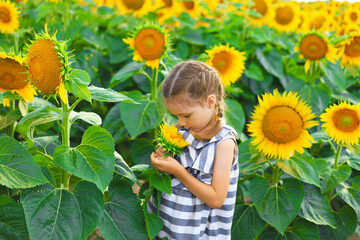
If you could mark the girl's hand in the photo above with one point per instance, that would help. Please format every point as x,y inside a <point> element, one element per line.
<point>165,164</point>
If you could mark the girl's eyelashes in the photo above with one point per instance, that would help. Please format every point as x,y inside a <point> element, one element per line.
<point>186,116</point>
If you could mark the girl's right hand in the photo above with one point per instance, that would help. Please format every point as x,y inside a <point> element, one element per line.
<point>165,164</point>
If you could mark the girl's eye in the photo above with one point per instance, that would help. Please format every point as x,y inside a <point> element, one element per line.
<point>186,116</point>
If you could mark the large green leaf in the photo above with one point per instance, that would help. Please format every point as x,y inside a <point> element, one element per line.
<point>350,195</point>
<point>316,207</point>
<point>271,61</point>
<point>346,220</point>
<point>235,115</point>
<point>335,75</point>
<point>77,83</point>
<point>253,71</point>
<point>51,213</point>
<point>27,124</point>
<point>247,223</point>
<point>125,73</point>
<point>161,181</point>
<point>93,160</point>
<point>278,206</point>
<point>108,95</point>
<point>336,177</point>
<point>89,117</point>
<point>123,218</point>
<point>301,167</point>
<point>91,203</point>
<point>123,169</point>
<point>300,229</point>
<point>141,117</point>
<point>153,224</point>
<point>12,220</point>
<point>17,167</point>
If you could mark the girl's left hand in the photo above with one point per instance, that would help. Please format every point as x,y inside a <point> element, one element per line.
<point>165,164</point>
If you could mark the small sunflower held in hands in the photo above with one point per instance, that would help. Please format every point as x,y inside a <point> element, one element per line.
<point>150,43</point>
<point>170,140</point>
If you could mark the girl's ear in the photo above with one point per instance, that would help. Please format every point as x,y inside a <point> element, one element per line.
<point>211,100</point>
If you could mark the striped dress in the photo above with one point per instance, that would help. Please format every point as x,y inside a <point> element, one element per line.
<point>184,215</point>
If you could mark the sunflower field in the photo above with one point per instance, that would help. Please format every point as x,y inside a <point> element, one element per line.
<point>81,109</point>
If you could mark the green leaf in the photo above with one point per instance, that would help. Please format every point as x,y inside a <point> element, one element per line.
<point>336,177</point>
<point>93,160</point>
<point>346,220</point>
<point>125,73</point>
<point>140,118</point>
<point>334,74</point>
<point>141,148</point>
<point>278,206</point>
<point>153,224</point>
<point>10,118</point>
<point>253,71</point>
<point>9,95</point>
<point>91,203</point>
<point>271,61</point>
<point>235,115</point>
<point>161,181</point>
<point>317,97</point>
<point>316,207</point>
<point>354,162</point>
<point>350,195</point>
<point>48,211</point>
<point>123,218</point>
<point>12,220</point>
<point>78,84</point>
<point>123,169</point>
<point>17,167</point>
<point>108,95</point>
<point>27,124</point>
<point>89,117</point>
<point>301,167</point>
<point>247,223</point>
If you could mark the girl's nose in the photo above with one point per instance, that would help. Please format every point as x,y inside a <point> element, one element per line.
<point>182,122</point>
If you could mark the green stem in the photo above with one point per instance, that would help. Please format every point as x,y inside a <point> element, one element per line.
<point>337,155</point>
<point>154,89</point>
<point>16,42</point>
<point>12,126</point>
<point>312,73</point>
<point>276,175</point>
<point>65,139</point>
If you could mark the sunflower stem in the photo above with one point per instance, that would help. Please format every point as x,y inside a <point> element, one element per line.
<point>66,125</point>
<point>12,126</point>
<point>154,89</point>
<point>276,174</point>
<point>16,42</point>
<point>337,156</point>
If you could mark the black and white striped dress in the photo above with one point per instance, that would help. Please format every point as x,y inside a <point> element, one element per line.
<point>184,215</point>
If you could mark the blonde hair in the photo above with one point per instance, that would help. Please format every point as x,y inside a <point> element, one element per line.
<point>196,79</point>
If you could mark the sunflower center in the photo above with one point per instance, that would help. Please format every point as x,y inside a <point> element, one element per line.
<point>222,61</point>
<point>45,66</point>
<point>168,3</point>
<point>133,4</point>
<point>282,125</point>
<point>346,120</point>
<point>284,15</point>
<point>353,49</point>
<point>150,43</point>
<point>12,74</point>
<point>4,15</point>
<point>353,16</point>
<point>260,6</point>
<point>189,5</point>
<point>313,47</point>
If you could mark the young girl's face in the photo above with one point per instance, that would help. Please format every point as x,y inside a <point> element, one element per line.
<point>196,116</point>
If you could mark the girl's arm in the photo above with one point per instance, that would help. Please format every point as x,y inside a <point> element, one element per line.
<point>213,195</point>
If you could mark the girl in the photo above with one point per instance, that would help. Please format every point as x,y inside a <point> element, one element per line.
<point>205,175</point>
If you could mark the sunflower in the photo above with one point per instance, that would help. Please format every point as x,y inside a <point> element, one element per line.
<point>171,140</point>
<point>314,47</point>
<point>229,62</point>
<point>286,18</point>
<point>351,15</point>
<point>9,17</point>
<point>138,8</point>
<point>13,76</point>
<point>350,51</point>
<point>150,43</point>
<point>48,64</point>
<point>279,125</point>
<point>264,10</point>
<point>190,7</point>
<point>166,9</point>
<point>316,21</point>
<point>342,123</point>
